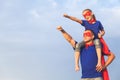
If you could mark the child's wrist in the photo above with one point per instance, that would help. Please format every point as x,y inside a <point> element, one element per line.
<point>62,30</point>
<point>76,65</point>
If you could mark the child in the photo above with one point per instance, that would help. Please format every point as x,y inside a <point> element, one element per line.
<point>90,24</point>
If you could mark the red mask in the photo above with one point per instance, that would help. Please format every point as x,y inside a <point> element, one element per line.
<point>87,34</point>
<point>88,13</point>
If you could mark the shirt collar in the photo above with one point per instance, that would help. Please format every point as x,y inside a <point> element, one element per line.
<point>87,45</point>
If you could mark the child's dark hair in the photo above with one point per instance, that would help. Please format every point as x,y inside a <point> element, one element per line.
<point>87,10</point>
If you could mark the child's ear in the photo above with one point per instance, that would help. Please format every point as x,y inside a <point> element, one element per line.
<point>92,14</point>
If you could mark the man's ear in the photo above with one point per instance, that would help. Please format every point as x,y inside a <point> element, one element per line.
<point>93,36</point>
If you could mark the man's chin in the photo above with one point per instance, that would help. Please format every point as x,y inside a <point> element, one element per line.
<point>87,41</point>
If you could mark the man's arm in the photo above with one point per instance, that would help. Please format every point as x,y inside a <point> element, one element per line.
<point>73,18</point>
<point>66,36</point>
<point>109,60</point>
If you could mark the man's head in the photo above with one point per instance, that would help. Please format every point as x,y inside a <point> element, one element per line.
<point>88,35</point>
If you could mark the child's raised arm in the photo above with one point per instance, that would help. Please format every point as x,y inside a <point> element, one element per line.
<point>73,18</point>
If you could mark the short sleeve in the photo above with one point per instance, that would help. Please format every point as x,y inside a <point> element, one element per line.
<point>83,22</point>
<point>101,26</point>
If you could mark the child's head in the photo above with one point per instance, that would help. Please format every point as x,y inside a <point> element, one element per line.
<point>88,14</point>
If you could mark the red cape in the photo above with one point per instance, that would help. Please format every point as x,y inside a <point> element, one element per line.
<point>105,51</point>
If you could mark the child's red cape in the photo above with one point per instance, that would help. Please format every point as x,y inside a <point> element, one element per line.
<point>105,51</point>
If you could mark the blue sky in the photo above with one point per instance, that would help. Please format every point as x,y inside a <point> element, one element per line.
<point>31,47</point>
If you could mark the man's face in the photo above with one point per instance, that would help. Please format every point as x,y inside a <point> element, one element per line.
<point>87,15</point>
<point>88,36</point>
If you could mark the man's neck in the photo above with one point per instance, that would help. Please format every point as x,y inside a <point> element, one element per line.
<point>90,42</point>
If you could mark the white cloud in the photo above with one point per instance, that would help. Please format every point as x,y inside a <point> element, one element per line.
<point>53,3</point>
<point>111,18</point>
<point>35,13</point>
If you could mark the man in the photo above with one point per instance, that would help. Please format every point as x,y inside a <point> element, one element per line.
<point>88,56</point>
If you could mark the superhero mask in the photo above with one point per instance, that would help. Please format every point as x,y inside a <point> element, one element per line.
<point>88,13</point>
<point>87,34</point>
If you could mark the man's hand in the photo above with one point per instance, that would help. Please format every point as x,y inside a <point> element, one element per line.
<point>59,28</point>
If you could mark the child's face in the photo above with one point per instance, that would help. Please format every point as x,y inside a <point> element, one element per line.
<point>87,15</point>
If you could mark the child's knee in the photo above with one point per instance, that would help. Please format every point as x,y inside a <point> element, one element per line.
<point>97,43</point>
<point>79,46</point>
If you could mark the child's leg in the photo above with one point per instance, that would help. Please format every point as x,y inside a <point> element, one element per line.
<point>77,51</point>
<point>98,50</point>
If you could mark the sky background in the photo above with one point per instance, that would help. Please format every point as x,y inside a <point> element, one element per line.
<point>32,49</point>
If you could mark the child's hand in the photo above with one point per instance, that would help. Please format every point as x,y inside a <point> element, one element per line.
<point>99,35</point>
<point>65,15</point>
<point>99,67</point>
<point>77,68</point>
